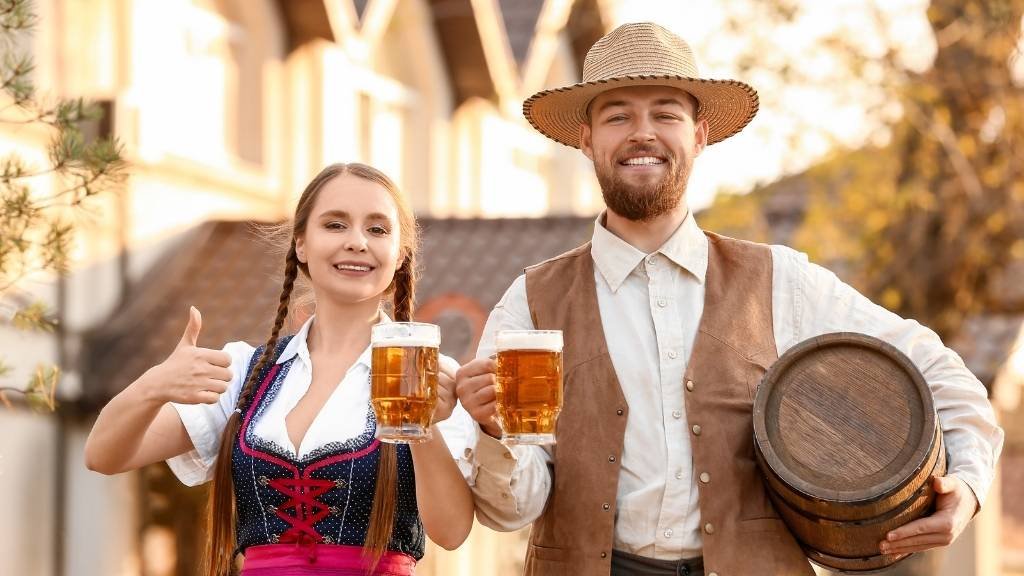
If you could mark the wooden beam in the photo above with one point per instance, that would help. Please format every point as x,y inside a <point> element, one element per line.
<point>553,19</point>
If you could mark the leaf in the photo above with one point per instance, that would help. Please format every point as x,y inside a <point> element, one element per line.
<point>35,316</point>
<point>41,393</point>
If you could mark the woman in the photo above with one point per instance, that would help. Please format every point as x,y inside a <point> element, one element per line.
<point>285,431</point>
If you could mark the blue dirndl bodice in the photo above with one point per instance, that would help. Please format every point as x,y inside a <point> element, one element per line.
<point>324,498</point>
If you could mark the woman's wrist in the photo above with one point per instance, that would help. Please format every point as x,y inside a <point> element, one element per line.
<point>149,388</point>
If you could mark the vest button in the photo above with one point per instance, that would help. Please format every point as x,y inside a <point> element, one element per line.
<point>606,506</point>
<point>604,554</point>
<point>611,458</point>
<point>705,477</point>
<point>709,528</point>
<point>712,573</point>
<point>689,385</point>
<point>696,429</point>
<point>619,411</point>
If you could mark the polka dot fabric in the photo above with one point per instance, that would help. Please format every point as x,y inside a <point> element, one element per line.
<point>326,499</point>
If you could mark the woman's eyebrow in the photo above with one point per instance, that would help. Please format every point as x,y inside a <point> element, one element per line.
<point>345,215</point>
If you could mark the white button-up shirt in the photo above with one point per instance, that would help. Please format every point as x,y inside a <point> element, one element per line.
<point>341,418</point>
<point>651,306</point>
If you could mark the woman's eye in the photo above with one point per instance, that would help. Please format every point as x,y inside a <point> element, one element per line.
<point>334,225</point>
<point>379,230</point>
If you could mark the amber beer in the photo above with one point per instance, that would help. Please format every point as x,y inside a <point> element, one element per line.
<point>404,380</point>
<point>529,385</point>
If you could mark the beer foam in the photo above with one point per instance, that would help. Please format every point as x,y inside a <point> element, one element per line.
<point>407,342</point>
<point>517,340</point>
<point>405,334</point>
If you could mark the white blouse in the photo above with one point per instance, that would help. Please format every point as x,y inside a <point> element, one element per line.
<point>342,417</point>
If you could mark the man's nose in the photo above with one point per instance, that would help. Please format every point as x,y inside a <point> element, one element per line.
<point>643,131</point>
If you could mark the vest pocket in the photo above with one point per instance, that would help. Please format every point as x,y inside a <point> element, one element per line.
<point>548,554</point>
<point>756,525</point>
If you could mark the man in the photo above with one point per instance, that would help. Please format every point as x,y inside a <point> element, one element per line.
<point>667,332</point>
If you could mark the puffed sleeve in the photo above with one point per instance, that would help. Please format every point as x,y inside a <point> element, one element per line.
<point>205,422</point>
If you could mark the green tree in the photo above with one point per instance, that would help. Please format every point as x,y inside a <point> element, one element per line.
<point>37,228</point>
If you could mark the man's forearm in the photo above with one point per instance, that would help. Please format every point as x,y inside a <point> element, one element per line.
<point>510,486</point>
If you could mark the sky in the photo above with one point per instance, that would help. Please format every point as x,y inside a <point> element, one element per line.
<point>820,117</point>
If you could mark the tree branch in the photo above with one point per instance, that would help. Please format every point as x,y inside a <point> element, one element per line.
<point>947,140</point>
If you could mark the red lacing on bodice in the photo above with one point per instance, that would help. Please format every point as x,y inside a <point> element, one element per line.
<point>302,500</point>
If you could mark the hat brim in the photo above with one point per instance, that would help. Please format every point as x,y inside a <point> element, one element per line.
<point>727,105</point>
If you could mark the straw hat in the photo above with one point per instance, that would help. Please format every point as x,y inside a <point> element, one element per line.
<point>641,54</point>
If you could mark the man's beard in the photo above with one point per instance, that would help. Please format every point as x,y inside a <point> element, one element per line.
<point>647,202</point>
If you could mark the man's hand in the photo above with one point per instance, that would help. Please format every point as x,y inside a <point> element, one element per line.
<point>955,505</point>
<point>474,383</point>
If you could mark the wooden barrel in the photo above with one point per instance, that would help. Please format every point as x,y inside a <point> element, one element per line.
<point>848,440</point>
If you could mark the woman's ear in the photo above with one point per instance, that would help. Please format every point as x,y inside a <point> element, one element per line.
<point>300,249</point>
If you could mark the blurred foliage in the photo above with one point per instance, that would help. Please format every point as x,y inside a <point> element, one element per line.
<point>924,222</point>
<point>39,200</point>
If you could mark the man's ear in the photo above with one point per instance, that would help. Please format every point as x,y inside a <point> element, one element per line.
<point>586,142</point>
<point>700,136</point>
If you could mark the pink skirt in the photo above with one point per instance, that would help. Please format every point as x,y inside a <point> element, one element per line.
<point>321,560</point>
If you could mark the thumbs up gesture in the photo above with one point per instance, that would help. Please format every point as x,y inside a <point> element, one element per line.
<point>192,375</point>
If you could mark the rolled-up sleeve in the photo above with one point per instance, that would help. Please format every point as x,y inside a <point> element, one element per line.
<point>510,484</point>
<point>205,422</point>
<point>809,300</point>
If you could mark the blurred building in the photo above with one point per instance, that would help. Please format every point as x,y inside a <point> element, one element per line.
<point>227,108</point>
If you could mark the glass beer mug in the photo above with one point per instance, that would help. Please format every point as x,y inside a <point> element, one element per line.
<point>403,379</point>
<point>528,385</point>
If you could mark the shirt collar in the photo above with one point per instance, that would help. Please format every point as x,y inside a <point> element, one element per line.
<point>298,346</point>
<point>616,259</point>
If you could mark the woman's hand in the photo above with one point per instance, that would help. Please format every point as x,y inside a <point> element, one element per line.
<point>138,426</point>
<point>190,375</point>
<point>446,397</point>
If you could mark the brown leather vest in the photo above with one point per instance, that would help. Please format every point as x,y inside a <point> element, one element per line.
<point>734,346</point>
